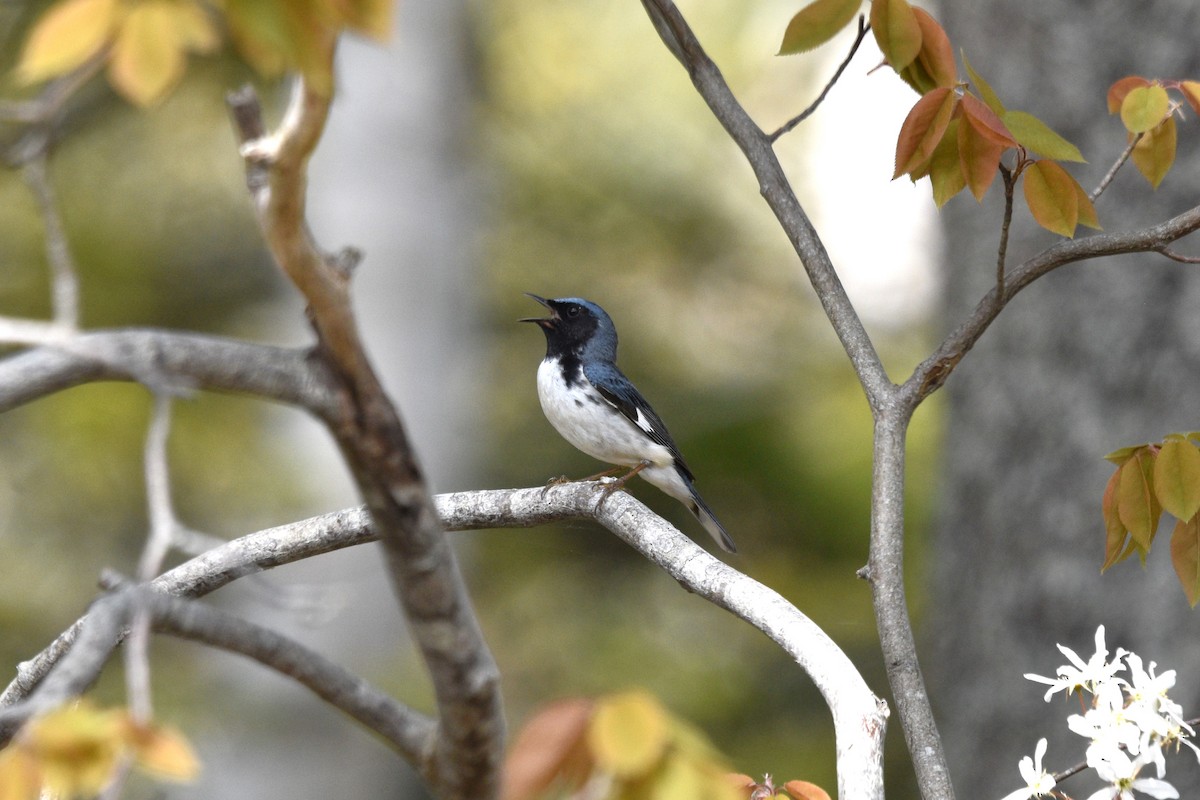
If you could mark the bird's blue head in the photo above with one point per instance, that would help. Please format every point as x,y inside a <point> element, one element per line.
<point>576,327</point>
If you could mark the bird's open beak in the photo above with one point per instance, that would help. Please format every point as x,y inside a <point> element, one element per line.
<point>544,322</point>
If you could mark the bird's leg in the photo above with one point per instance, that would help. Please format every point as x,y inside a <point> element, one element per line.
<point>620,482</point>
<point>562,479</point>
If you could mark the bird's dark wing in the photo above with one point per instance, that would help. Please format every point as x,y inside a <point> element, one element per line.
<point>622,395</point>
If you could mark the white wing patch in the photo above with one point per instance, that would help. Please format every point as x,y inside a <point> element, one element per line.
<point>644,423</point>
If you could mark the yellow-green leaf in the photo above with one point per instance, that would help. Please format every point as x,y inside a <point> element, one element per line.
<point>897,31</point>
<point>945,169</point>
<point>1154,154</point>
<point>373,17</point>
<point>628,734</point>
<point>984,89</point>
<point>67,35</point>
<point>1144,107</point>
<point>1119,89</point>
<point>1087,211</point>
<point>816,24</point>
<point>1051,197</point>
<point>1177,478</point>
<point>1185,557</point>
<point>77,748</point>
<point>148,57</point>
<point>1035,135</point>
<point>1123,454</point>
<point>1137,504</point>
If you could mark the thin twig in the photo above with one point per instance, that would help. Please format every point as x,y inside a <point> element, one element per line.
<point>863,27</point>
<point>1174,255</point>
<point>1112,172</point>
<point>1002,251</point>
<point>63,274</point>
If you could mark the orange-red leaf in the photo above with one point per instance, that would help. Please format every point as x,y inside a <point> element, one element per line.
<point>1051,197</point>
<point>1144,107</point>
<point>986,122</point>
<point>1177,478</point>
<point>1154,154</point>
<point>978,157</point>
<point>1117,92</point>
<point>1137,504</point>
<point>1115,533</point>
<point>934,65</point>
<point>1191,93</point>
<point>816,24</point>
<point>923,129</point>
<point>67,35</point>
<point>549,749</point>
<point>897,31</point>
<point>1185,557</point>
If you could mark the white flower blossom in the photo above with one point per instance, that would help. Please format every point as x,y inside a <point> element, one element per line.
<point>1038,782</point>
<point>1082,675</point>
<point>1121,773</point>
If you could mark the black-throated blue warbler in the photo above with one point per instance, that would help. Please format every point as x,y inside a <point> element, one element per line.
<point>591,403</point>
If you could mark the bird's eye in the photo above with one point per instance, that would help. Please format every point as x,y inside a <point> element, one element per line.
<point>573,311</point>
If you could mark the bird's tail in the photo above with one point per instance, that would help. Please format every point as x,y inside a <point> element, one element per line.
<point>709,520</point>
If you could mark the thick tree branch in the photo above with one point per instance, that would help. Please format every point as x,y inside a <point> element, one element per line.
<point>375,445</point>
<point>409,733</point>
<point>931,373</point>
<point>168,360</point>
<point>859,717</point>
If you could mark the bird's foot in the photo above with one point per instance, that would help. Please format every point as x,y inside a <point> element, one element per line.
<point>619,483</point>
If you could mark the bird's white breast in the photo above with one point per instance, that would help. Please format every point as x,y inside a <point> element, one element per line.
<point>585,419</point>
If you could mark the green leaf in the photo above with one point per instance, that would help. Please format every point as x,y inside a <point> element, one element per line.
<point>983,88</point>
<point>1185,557</point>
<point>1137,504</point>
<point>1051,197</point>
<point>945,169</point>
<point>897,31</point>
<point>1144,107</point>
<point>1033,134</point>
<point>1177,478</point>
<point>1123,454</point>
<point>1154,154</point>
<point>816,24</point>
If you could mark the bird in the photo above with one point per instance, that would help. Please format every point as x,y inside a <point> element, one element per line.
<point>592,405</point>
